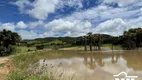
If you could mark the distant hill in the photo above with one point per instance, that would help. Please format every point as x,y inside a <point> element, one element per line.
<point>68,40</point>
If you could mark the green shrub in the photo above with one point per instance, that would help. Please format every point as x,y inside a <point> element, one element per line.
<point>40,47</point>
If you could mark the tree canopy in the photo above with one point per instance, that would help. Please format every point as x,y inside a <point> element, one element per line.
<point>132,38</point>
<point>7,39</point>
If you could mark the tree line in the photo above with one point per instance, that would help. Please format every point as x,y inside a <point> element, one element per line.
<point>131,39</point>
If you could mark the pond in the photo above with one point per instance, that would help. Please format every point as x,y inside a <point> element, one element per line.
<point>95,65</point>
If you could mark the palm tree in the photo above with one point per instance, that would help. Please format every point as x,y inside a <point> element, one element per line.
<point>98,41</point>
<point>85,42</point>
<point>90,39</point>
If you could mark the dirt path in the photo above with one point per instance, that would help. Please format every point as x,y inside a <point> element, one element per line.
<point>5,67</point>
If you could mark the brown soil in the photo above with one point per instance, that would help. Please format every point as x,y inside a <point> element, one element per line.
<point>4,70</point>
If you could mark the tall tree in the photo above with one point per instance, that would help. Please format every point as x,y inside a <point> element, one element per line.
<point>98,38</point>
<point>139,37</point>
<point>99,41</point>
<point>90,39</point>
<point>129,38</point>
<point>85,42</point>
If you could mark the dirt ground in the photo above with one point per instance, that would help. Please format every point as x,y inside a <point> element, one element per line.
<point>6,68</point>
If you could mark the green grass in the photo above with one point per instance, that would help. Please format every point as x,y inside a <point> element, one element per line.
<point>118,47</point>
<point>2,64</point>
<point>22,49</point>
<point>22,58</point>
<point>106,45</point>
<point>115,47</point>
<point>73,48</point>
<point>21,64</point>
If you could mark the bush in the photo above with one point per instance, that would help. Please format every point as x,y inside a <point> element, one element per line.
<point>40,47</point>
<point>5,50</point>
<point>8,38</point>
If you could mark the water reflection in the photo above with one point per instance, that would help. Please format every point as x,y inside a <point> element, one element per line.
<point>115,58</point>
<point>134,60</point>
<point>99,65</point>
<point>91,60</point>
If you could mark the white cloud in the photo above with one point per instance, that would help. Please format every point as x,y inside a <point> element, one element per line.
<point>70,3</point>
<point>121,2</point>
<point>88,14</point>
<point>135,23</point>
<point>23,33</point>
<point>104,12</point>
<point>49,34</point>
<point>7,26</point>
<point>21,25</point>
<point>29,34</point>
<point>113,27</point>
<point>35,24</point>
<point>41,8</point>
<point>70,28</point>
<point>38,9</point>
<point>117,26</point>
<point>62,27</point>
<point>109,20</point>
<point>21,4</point>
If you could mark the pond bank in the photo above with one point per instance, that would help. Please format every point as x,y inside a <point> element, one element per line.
<point>5,67</point>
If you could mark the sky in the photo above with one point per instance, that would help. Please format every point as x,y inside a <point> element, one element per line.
<point>53,18</point>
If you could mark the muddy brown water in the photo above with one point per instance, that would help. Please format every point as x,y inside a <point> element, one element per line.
<point>96,65</point>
